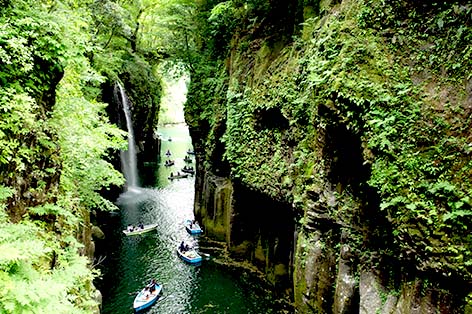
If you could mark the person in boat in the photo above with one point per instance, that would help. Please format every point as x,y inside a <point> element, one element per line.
<point>171,174</point>
<point>130,228</point>
<point>182,246</point>
<point>152,285</point>
<point>147,292</point>
<point>178,173</point>
<point>141,225</point>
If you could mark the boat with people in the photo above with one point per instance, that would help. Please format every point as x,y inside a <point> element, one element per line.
<point>190,152</point>
<point>168,153</point>
<point>139,229</point>
<point>189,170</point>
<point>147,296</point>
<point>169,163</point>
<point>193,227</point>
<point>178,176</point>
<point>188,254</point>
<point>187,159</point>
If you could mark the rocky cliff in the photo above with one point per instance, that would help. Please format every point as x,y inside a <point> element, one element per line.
<point>333,146</point>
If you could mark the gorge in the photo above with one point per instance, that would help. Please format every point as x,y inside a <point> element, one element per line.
<point>332,144</point>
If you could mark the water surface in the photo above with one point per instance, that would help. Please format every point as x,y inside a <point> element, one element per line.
<point>132,261</point>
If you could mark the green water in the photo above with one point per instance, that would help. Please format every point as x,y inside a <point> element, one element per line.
<point>132,261</point>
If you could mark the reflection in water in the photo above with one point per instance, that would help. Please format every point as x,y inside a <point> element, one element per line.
<point>132,261</point>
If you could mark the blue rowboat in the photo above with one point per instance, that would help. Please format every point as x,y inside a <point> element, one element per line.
<point>145,298</point>
<point>193,228</point>
<point>190,256</point>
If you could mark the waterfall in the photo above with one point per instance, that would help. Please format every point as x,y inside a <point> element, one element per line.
<point>128,157</point>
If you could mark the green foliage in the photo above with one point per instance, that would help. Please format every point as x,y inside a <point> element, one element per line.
<point>436,34</point>
<point>415,157</point>
<point>392,74</point>
<point>85,138</point>
<point>223,20</point>
<point>204,109</point>
<point>127,53</point>
<point>38,273</point>
<point>54,140</point>
<point>28,284</point>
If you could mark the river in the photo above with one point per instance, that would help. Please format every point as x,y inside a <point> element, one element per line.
<point>132,261</point>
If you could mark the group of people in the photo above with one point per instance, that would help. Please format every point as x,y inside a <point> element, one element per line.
<point>169,162</point>
<point>172,174</point>
<point>150,288</point>
<point>184,247</point>
<point>133,228</point>
<point>188,168</point>
<point>194,224</point>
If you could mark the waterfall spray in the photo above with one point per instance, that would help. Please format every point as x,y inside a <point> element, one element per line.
<point>128,157</point>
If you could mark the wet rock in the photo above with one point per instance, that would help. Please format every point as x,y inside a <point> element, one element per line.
<point>314,274</point>
<point>346,292</point>
<point>97,233</point>
<point>370,291</point>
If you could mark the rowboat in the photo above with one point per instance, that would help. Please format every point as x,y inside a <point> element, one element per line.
<point>193,228</point>
<point>138,230</point>
<point>178,176</point>
<point>188,170</point>
<point>191,256</point>
<point>190,152</point>
<point>146,298</point>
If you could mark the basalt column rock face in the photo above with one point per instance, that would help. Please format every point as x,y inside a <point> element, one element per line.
<point>262,232</point>
<point>257,232</point>
<point>214,205</point>
<point>412,297</point>
<point>315,272</point>
<point>351,132</point>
